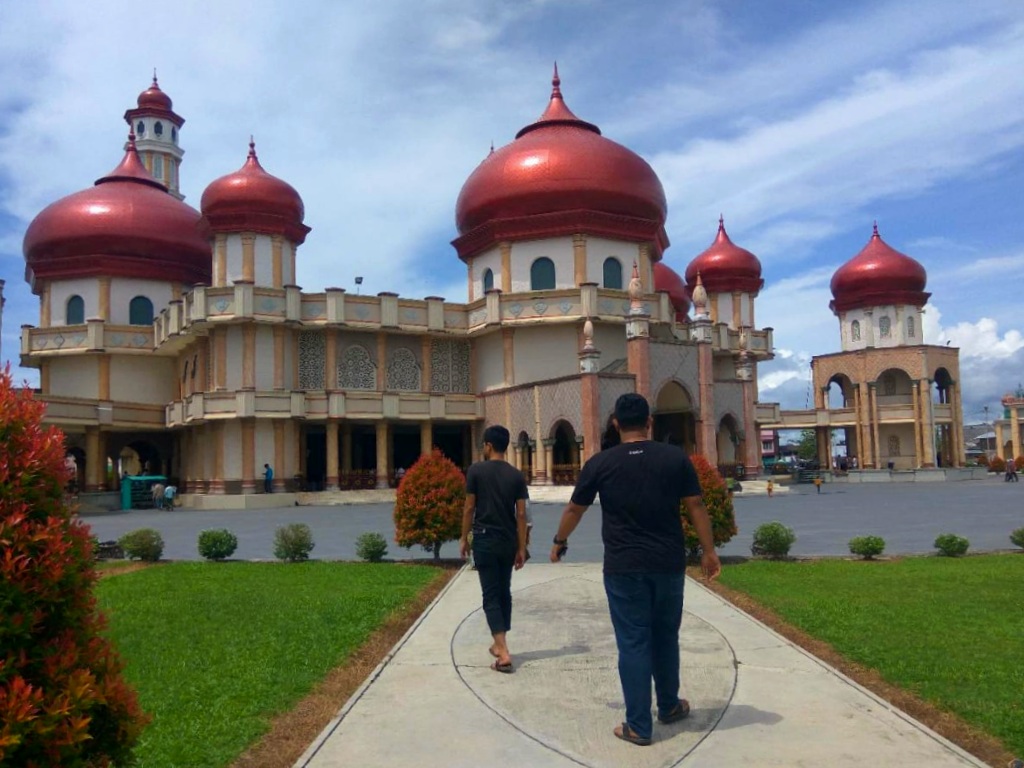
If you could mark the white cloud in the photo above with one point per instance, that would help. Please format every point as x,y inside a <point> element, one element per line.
<point>976,340</point>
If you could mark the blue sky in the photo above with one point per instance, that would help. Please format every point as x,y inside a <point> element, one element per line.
<point>802,122</point>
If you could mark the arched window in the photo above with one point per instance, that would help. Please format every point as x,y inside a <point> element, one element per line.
<point>884,327</point>
<point>855,330</point>
<point>158,167</point>
<point>140,129</point>
<point>488,280</point>
<point>613,273</point>
<point>542,274</point>
<point>74,312</point>
<point>158,129</point>
<point>910,327</point>
<point>140,311</point>
<point>174,135</point>
<point>894,445</point>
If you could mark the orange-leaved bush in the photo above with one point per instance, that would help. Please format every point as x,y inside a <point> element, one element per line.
<point>718,502</point>
<point>63,701</point>
<point>997,464</point>
<point>429,502</point>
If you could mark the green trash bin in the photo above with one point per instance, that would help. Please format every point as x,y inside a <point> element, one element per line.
<point>136,491</point>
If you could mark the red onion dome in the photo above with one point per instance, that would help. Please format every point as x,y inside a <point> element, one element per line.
<point>667,279</point>
<point>560,176</point>
<point>154,102</point>
<point>725,267</point>
<point>127,225</point>
<point>252,200</point>
<point>877,276</point>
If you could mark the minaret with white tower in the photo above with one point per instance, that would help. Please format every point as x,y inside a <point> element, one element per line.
<point>157,131</point>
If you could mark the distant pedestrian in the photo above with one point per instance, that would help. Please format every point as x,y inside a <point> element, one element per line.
<point>495,514</point>
<point>268,479</point>
<point>771,489</point>
<point>641,484</point>
<point>817,484</point>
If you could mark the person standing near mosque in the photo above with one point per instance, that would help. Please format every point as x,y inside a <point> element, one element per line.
<point>268,479</point>
<point>641,483</point>
<point>495,513</point>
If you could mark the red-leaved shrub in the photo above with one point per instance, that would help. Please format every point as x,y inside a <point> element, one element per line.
<point>997,464</point>
<point>1018,463</point>
<point>429,502</point>
<point>719,505</point>
<point>63,701</point>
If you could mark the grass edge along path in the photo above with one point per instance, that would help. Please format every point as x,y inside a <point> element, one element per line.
<point>218,650</point>
<point>291,732</point>
<point>968,736</point>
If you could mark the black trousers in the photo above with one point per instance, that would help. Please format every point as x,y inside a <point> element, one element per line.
<point>494,561</point>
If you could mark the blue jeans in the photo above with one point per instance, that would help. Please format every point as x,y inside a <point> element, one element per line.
<point>646,609</point>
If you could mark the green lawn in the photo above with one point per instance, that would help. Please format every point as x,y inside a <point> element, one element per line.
<point>949,629</point>
<point>215,649</point>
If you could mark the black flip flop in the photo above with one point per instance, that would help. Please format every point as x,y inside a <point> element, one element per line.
<point>505,669</point>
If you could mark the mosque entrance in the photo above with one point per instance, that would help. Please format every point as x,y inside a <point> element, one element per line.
<point>405,448</point>
<point>316,457</point>
<point>565,454</point>
<point>674,421</point>
<point>455,442</point>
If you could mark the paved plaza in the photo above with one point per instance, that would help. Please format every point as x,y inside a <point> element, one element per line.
<point>907,515</point>
<point>757,700</point>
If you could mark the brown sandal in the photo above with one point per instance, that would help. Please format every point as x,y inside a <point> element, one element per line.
<point>626,733</point>
<point>679,712</point>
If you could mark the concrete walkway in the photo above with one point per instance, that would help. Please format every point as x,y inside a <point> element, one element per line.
<point>757,699</point>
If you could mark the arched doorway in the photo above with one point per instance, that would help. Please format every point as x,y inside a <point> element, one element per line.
<point>74,462</point>
<point>841,395</point>
<point>727,441</point>
<point>674,420</point>
<point>139,458</point>
<point>565,454</point>
<point>525,446</point>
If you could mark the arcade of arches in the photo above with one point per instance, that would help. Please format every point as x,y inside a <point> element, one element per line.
<point>891,421</point>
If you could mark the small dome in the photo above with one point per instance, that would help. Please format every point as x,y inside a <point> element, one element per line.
<point>879,275</point>
<point>125,225</point>
<point>725,267</point>
<point>667,279</point>
<point>250,199</point>
<point>561,176</point>
<point>154,98</point>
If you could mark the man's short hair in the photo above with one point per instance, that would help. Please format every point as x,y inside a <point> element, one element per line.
<point>632,411</point>
<point>498,437</point>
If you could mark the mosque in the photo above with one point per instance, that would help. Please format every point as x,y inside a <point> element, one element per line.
<point>176,342</point>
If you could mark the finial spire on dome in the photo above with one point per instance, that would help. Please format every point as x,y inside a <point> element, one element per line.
<point>874,229</point>
<point>252,147</point>
<point>721,223</point>
<point>556,84</point>
<point>154,78</point>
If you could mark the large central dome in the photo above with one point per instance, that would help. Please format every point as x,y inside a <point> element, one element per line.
<point>560,176</point>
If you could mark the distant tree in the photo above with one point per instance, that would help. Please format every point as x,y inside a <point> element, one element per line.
<point>807,448</point>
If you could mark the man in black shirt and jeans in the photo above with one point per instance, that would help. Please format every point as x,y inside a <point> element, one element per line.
<point>496,512</point>
<point>641,483</point>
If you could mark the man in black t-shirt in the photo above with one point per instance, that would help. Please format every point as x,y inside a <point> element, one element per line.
<point>495,511</point>
<point>641,484</point>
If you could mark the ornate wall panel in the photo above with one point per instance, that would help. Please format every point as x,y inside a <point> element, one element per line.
<point>561,400</point>
<point>729,399</point>
<point>403,373</point>
<point>356,370</point>
<point>610,389</point>
<point>450,366</point>
<point>677,362</point>
<point>312,356</point>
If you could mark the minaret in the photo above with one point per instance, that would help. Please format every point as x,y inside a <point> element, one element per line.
<point>638,338</point>
<point>157,132</point>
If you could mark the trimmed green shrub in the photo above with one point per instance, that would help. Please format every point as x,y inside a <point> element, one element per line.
<point>867,547</point>
<point>142,544</point>
<point>1017,537</point>
<point>217,544</point>
<point>293,543</point>
<point>951,545</point>
<point>718,503</point>
<point>772,540</point>
<point>371,547</point>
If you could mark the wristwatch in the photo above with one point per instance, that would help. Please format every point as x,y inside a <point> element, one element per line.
<point>559,542</point>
